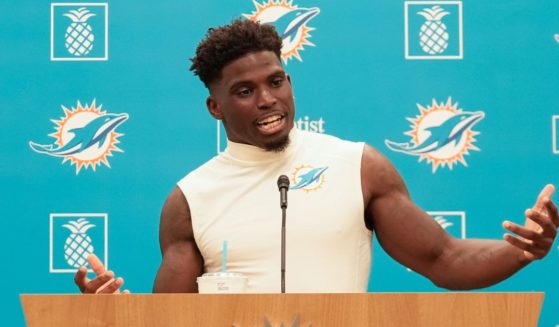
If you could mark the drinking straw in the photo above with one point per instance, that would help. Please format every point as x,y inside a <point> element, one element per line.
<point>224,256</point>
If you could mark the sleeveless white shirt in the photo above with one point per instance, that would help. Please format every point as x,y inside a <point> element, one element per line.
<point>235,197</point>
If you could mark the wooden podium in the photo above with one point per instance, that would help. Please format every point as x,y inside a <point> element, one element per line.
<point>287,310</point>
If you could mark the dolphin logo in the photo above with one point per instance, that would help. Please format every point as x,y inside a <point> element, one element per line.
<point>93,133</point>
<point>308,178</point>
<point>449,131</point>
<point>289,23</point>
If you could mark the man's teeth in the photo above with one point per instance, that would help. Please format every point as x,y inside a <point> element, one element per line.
<point>270,122</point>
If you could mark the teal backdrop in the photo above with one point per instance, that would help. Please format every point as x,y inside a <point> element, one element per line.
<point>370,67</point>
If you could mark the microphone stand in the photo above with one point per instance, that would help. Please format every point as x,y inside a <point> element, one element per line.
<point>283,218</point>
<point>283,185</point>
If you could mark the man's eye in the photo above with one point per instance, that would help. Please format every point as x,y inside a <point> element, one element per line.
<point>277,82</point>
<point>244,92</point>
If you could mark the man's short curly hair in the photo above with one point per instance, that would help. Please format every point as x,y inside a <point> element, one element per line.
<point>225,44</point>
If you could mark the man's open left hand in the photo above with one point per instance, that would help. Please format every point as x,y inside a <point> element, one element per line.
<point>537,235</point>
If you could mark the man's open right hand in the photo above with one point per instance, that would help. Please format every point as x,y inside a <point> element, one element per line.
<point>104,281</point>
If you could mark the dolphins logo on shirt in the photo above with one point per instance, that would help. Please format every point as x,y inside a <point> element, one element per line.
<point>307,178</point>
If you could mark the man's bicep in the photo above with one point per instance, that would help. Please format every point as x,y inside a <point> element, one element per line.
<point>182,261</point>
<point>407,233</point>
<point>404,230</point>
<point>180,267</point>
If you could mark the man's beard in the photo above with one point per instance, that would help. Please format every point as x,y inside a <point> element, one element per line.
<point>277,146</point>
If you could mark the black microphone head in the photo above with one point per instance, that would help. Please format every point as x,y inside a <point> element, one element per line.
<point>283,182</point>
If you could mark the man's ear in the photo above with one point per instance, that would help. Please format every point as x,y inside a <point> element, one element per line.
<point>291,84</point>
<point>213,108</point>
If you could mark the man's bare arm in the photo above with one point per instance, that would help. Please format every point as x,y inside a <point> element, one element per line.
<point>411,237</point>
<point>182,262</point>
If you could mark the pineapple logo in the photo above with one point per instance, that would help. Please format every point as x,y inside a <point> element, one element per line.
<point>555,133</point>
<point>433,37</point>
<point>79,34</point>
<point>443,222</point>
<point>441,134</point>
<point>427,35</point>
<point>79,31</point>
<point>291,23</point>
<point>73,237</point>
<point>78,245</point>
<point>86,136</point>
<point>454,222</point>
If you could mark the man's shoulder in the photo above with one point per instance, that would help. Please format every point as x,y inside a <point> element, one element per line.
<point>327,138</point>
<point>370,158</point>
<point>205,169</point>
<point>327,143</point>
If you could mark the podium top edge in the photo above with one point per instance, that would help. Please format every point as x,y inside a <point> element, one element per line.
<point>289,294</point>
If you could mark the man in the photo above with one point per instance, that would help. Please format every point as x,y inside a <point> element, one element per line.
<point>343,192</point>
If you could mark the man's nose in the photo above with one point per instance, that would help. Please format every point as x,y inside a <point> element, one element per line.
<point>266,99</point>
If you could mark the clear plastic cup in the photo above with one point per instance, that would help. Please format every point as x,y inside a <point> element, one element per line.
<point>222,282</point>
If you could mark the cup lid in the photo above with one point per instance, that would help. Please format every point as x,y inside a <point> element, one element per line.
<point>223,274</point>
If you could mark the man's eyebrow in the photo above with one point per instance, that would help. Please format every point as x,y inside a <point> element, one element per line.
<point>278,73</point>
<point>237,83</point>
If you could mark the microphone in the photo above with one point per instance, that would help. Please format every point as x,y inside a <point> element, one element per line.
<point>283,186</point>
